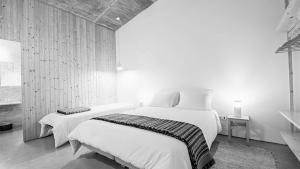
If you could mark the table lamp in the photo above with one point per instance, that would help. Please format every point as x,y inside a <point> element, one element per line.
<point>237,105</point>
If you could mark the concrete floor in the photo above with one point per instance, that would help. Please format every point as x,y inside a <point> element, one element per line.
<point>41,154</point>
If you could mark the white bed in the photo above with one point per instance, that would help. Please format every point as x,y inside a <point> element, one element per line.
<point>142,148</point>
<point>61,125</point>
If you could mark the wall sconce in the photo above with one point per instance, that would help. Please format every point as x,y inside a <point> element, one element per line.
<point>119,67</point>
<point>237,105</point>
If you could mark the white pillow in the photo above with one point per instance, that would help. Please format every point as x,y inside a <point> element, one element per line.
<point>195,99</point>
<point>165,99</point>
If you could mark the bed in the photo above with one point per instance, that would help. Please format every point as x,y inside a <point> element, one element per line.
<point>61,125</point>
<point>135,148</point>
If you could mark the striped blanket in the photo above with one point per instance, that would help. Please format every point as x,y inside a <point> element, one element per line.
<point>69,111</point>
<point>190,134</point>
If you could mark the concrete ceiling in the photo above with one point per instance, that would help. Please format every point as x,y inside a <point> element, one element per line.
<point>109,13</point>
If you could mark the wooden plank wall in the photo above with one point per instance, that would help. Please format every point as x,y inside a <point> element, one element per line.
<point>11,12</point>
<point>67,61</point>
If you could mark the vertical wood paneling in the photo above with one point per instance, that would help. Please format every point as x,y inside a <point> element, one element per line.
<point>11,18</point>
<point>106,47</point>
<point>66,61</point>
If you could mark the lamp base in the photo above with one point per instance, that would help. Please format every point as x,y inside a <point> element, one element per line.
<point>4,126</point>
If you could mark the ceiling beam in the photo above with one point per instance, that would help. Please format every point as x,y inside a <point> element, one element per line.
<point>111,3</point>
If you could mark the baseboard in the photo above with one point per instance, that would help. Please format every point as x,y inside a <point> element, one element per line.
<point>252,139</point>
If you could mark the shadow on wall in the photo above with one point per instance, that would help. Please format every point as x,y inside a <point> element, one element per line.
<point>258,132</point>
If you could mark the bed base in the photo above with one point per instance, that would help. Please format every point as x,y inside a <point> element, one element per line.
<point>46,130</point>
<point>124,164</point>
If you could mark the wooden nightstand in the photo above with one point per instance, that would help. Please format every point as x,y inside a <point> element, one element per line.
<point>242,121</point>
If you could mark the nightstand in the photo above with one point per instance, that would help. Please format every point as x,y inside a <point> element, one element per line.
<point>242,121</point>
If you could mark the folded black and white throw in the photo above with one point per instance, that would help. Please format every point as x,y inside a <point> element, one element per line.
<point>190,134</point>
<point>68,111</point>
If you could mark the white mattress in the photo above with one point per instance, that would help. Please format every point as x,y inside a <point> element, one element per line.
<point>61,125</point>
<point>142,148</point>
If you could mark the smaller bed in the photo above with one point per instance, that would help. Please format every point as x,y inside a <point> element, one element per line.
<point>61,125</point>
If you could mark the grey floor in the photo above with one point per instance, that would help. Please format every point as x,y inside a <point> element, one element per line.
<point>40,154</point>
<point>284,158</point>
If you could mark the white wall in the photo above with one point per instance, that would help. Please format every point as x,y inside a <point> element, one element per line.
<point>10,63</point>
<point>225,45</point>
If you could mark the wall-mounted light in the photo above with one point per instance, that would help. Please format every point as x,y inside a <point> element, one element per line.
<point>237,106</point>
<point>119,67</point>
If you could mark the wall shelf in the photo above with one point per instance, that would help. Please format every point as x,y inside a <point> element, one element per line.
<point>292,117</point>
<point>293,45</point>
<point>289,24</point>
<point>292,139</point>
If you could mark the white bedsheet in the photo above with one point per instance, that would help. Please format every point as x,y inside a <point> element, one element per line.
<point>61,125</point>
<point>142,148</point>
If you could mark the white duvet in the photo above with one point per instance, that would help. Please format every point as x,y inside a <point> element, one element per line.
<point>62,125</point>
<point>142,148</point>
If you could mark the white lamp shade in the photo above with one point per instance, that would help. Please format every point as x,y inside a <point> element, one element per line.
<point>237,103</point>
<point>237,108</point>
